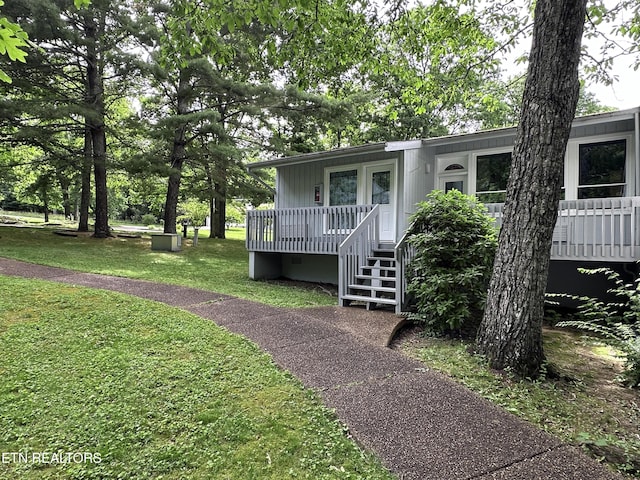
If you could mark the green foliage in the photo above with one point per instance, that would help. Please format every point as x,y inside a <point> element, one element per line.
<point>13,40</point>
<point>148,219</point>
<point>616,323</point>
<point>195,212</point>
<point>455,244</point>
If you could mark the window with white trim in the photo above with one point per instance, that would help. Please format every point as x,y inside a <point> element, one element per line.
<point>602,169</point>
<point>492,174</point>
<point>343,187</point>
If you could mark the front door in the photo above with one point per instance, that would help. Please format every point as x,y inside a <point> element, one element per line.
<point>381,191</point>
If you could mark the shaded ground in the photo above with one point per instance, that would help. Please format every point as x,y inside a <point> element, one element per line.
<point>605,417</point>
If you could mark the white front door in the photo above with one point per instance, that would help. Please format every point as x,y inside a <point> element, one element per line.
<point>381,190</point>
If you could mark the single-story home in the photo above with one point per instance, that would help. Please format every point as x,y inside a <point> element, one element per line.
<point>340,216</point>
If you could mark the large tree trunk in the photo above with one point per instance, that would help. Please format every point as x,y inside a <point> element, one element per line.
<point>95,97</point>
<point>510,335</point>
<point>85,189</point>
<point>178,155</point>
<point>218,220</point>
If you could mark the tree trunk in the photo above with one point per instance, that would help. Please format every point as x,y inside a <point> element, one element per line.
<point>64,183</point>
<point>218,218</point>
<point>95,97</point>
<point>510,335</point>
<point>218,221</point>
<point>85,190</point>
<point>178,154</point>
<point>45,201</point>
<point>212,211</point>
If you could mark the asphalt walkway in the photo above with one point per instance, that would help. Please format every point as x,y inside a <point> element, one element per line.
<point>420,423</point>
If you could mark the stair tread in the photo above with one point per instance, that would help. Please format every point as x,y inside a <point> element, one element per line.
<point>361,298</point>
<point>376,277</point>
<point>369,287</point>
<point>377,267</point>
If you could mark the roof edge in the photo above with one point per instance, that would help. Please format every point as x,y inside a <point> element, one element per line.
<point>311,157</point>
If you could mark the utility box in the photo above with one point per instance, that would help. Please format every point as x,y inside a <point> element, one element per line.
<point>166,242</point>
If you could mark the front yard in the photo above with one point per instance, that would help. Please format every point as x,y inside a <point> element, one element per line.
<point>128,342</point>
<point>100,385</point>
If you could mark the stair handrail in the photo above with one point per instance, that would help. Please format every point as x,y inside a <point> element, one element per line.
<point>358,245</point>
<point>403,253</point>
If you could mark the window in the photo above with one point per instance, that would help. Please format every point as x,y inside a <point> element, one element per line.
<point>454,185</point>
<point>343,188</point>
<point>602,169</point>
<point>380,187</point>
<point>454,166</point>
<point>492,176</point>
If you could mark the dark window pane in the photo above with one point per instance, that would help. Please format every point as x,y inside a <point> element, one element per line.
<point>494,197</point>
<point>456,185</point>
<point>492,177</point>
<point>343,187</point>
<point>602,163</point>
<point>380,186</point>
<point>601,192</point>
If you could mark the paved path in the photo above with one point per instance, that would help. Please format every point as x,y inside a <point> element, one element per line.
<point>421,424</point>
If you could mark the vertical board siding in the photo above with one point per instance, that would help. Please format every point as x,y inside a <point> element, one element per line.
<point>296,182</point>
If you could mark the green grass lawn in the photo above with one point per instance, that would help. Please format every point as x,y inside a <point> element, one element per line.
<point>156,392</point>
<point>217,265</point>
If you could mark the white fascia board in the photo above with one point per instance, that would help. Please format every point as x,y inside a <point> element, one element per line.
<point>403,145</point>
<point>316,156</point>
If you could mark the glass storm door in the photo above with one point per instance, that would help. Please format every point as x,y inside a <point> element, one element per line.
<point>381,190</point>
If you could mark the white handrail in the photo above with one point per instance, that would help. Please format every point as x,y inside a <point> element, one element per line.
<point>355,248</point>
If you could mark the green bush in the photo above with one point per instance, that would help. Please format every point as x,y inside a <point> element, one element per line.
<point>615,323</point>
<point>455,242</point>
<point>148,219</point>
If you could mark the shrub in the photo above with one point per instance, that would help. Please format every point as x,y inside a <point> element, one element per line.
<point>148,219</point>
<point>455,242</point>
<point>615,323</point>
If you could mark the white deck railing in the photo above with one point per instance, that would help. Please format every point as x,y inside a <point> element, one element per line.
<point>354,250</point>
<point>316,230</point>
<point>600,229</point>
<point>404,254</point>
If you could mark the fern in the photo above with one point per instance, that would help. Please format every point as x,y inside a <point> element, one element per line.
<point>617,324</point>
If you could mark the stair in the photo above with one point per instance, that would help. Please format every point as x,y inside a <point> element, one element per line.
<point>375,284</point>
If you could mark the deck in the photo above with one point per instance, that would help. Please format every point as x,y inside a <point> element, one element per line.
<point>601,230</point>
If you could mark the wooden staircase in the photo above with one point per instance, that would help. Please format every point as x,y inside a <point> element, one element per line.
<point>375,284</point>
